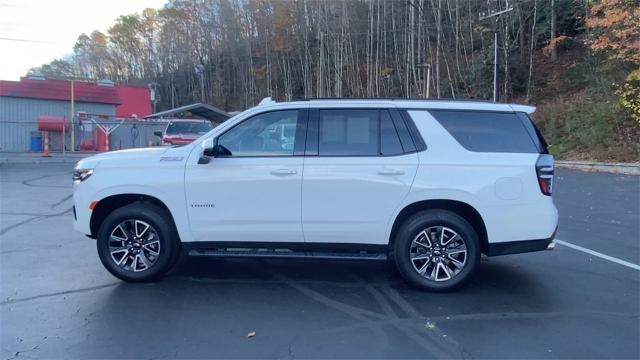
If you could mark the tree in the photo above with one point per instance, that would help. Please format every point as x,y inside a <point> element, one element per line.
<point>57,68</point>
<point>250,49</point>
<point>616,28</point>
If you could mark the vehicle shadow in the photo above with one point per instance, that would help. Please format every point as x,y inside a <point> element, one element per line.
<point>302,307</point>
<point>497,282</point>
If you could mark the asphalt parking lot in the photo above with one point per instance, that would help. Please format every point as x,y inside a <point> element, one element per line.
<point>57,301</point>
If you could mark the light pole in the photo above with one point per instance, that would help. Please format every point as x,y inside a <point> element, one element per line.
<point>495,14</point>
<point>427,71</point>
<point>154,95</point>
<point>200,71</point>
<point>71,114</point>
<point>386,78</point>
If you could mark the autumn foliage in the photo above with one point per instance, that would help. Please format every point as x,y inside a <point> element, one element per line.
<point>616,29</point>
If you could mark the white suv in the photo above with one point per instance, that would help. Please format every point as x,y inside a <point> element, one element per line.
<point>429,184</point>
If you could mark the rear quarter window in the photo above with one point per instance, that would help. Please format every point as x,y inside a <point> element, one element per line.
<point>534,133</point>
<point>484,131</point>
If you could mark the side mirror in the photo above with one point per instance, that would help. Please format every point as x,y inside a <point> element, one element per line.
<point>208,151</point>
<point>208,148</point>
<point>157,133</point>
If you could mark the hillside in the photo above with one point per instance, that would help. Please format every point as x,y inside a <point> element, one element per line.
<point>578,61</point>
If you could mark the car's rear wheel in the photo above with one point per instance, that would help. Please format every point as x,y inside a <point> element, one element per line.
<point>136,243</point>
<point>436,250</point>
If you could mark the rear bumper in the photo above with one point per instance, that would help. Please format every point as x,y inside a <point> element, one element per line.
<point>517,247</point>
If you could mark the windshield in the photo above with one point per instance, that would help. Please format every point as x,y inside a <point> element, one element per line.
<point>189,127</point>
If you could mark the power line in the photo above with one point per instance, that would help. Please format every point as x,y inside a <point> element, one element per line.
<point>12,5</point>
<point>26,40</point>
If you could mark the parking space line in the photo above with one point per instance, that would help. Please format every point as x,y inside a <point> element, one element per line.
<point>600,255</point>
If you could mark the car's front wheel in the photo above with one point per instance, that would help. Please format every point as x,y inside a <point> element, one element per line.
<point>436,250</point>
<point>136,243</point>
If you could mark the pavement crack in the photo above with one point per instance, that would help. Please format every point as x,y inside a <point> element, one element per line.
<point>59,293</point>
<point>61,201</point>
<point>71,243</point>
<point>18,224</point>
<point>35,217</point>
<point>28,182</point>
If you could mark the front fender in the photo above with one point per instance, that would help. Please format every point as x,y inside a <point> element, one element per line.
<point>172,202</point>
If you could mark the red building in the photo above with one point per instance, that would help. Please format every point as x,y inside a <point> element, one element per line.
<point>134,100</point>
<point>23,102</point>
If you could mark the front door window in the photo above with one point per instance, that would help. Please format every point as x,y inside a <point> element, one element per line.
<point>268,134</point>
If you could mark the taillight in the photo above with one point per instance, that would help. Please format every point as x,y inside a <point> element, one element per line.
<point>544,171</point>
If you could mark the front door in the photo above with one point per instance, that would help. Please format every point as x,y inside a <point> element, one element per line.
<point>251,189</point>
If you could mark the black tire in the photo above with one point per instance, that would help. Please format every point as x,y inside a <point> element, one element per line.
<point>413,226</point>
<point>160,221</point>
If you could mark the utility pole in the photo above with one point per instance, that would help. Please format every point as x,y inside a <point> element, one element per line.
<point>73,137</point>
<point>495,15</point>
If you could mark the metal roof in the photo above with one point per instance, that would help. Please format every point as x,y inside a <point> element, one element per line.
<point>203,110</point>
<point>53,89</point>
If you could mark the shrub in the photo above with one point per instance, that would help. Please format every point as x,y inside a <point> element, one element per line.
<point>629,93</point>
<point>588,130</point>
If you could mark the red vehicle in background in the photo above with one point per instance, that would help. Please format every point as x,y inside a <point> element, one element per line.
<point>183,131</point>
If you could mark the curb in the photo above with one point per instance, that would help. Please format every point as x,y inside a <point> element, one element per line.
<point>614,168</point>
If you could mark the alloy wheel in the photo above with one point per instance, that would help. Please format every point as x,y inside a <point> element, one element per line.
<point>438,253</point>
<point>134,245</point>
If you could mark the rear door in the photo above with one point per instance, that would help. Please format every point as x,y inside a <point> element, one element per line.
<point>359,165</point>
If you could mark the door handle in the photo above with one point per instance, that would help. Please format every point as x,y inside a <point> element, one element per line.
<point>284,172</point>
<point>390,172</point>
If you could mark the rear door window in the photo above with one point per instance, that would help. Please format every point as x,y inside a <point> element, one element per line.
<point>484,131</point>
<point>348,132</point>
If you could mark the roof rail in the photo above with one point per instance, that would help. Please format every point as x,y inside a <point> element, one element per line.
<point>395,99</point>
<point>266,101</point>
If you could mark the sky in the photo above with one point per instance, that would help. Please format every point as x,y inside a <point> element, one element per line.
<point>34,32</point>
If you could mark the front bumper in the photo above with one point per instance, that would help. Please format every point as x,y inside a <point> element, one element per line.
<point>81,211</point>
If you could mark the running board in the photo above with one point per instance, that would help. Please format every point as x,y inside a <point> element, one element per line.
<point>288,254</point>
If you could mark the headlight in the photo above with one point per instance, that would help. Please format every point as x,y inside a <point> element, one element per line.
<point>80,175</point>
